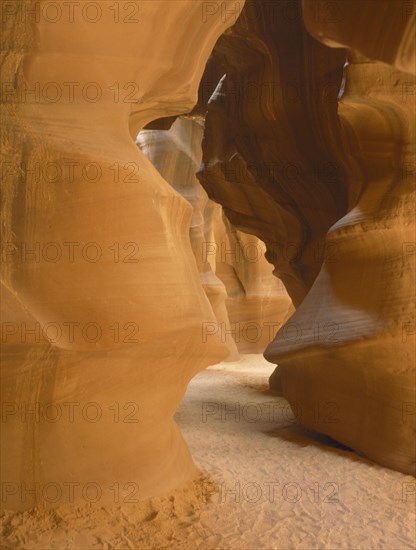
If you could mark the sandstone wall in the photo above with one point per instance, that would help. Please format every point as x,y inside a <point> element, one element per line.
<point>310,146</point>
<point>112,281</point>
<point>249,303</point>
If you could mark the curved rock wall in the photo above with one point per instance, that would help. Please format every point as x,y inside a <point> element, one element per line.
<point>337,130</point>
<point>307,145</point>
<point>234,273</point>
<point>273,155</point>
<point>257,301</point>
<point>176,155</point>
<point>96,249</point>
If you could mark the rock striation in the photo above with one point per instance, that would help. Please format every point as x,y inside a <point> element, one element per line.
<point>248,302</point>
<point>337,129</point>
<point>114,277</point>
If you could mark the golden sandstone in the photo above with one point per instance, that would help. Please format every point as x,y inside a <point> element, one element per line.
<point>138,214</point>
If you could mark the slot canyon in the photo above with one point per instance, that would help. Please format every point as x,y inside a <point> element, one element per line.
<point>208,274</point>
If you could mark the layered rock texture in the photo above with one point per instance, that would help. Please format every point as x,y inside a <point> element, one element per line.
<point>257,302</point>
<point>311,147</point>
<point>107,301</point>
<point>249,303</point>
<point>117,287</point>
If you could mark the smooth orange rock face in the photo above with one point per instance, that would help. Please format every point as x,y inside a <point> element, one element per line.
<point>383,31</point>
<point>357,322</point>
<point>104,310</point>
<point>111,279</point>
<point>346,357</point>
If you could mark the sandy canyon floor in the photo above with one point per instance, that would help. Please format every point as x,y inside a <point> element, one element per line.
<point>267,484</point>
